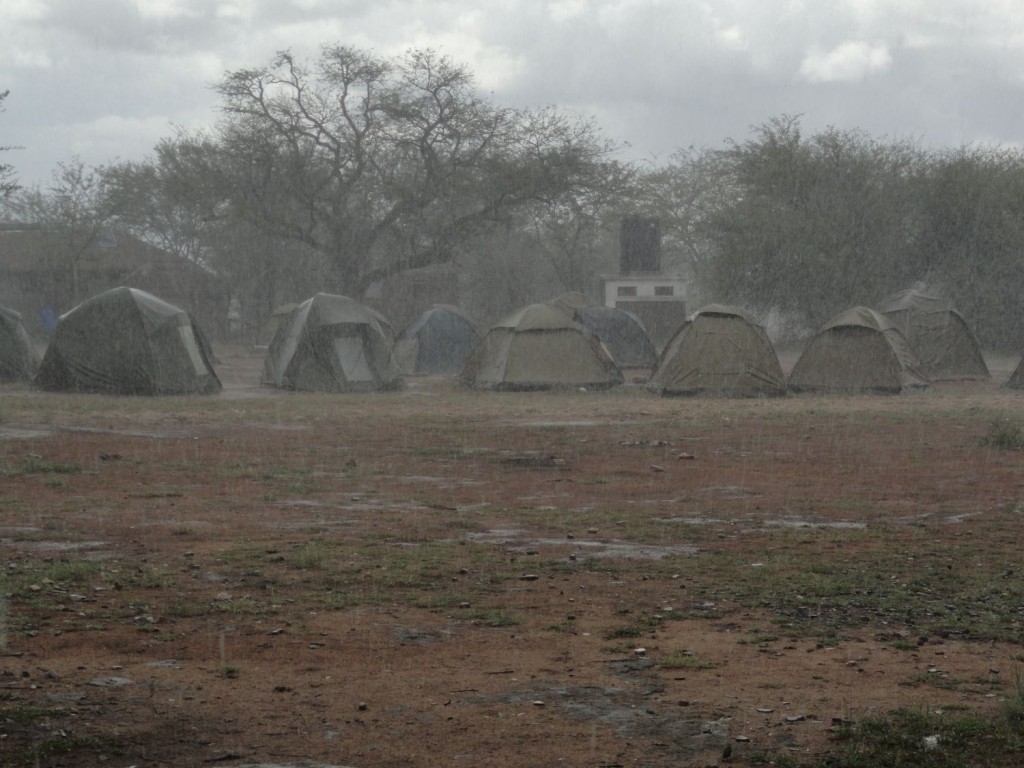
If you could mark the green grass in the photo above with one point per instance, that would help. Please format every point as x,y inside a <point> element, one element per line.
<point>37,465</point>
<point>1004,436</point>
<point>684,660</point>
<point>919,739</point>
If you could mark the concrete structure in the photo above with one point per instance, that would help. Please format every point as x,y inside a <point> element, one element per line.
<point>641,287</point>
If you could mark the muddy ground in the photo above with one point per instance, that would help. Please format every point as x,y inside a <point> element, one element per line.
<point>443,577</point>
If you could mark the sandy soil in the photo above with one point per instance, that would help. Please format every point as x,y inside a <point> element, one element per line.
<point>441,577</point>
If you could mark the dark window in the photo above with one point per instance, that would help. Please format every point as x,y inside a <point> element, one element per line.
<point>664,290</point>
<point>626,290</point>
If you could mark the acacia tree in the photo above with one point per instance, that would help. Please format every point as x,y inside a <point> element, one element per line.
<point>971,236</point>
<point>384,165</point>
<point>815,224</point>
<point>8,182</point>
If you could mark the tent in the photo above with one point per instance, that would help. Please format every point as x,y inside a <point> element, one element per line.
<point>331,343</point>
<point>569,302</point>
<point>539,347</point>
<point>622,333</point>
<point>1016,380</point>
<point>720,350</point>
<point>858,351</point>
<point>938,334</point>
<point>18,357</point>
<point>438,341</point>
<point>128,342</point>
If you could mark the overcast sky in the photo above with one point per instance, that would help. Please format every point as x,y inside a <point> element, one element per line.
<point>104,80</point>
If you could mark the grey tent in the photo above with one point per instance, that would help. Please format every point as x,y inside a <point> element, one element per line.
<point>438,341</point>
<point>539,347</point>
<point>1016,380</point>
<point>129,342</point>
<point>331,343</point>
<point>18,357</point>
<point>938,334</point>
<point>858,351</point>
<point>622,333</point>
<point>569,302</point>
<point>721,350</point>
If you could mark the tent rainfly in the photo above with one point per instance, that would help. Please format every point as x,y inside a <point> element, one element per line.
<point>539,347</point>
<point>720,350</point>
<point>938,334</point>
<point>857,352</point>
<point>18,357</point>
<point>438,341</point>
<point>570,302</point>
<point>1016,380</point>
<point>128,342</point>
<point>331,343</point>
<point>622,333</point>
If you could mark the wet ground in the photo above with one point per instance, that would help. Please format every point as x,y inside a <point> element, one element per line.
<point>443,577</point>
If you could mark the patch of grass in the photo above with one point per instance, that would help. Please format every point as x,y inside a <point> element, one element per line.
<point>936,680</point>
<point>37,465</point>
<point>927,740</point>
<point>311,556</point>
<point>1004,436</point>
<point>624,632</point>
<point>684,660</point>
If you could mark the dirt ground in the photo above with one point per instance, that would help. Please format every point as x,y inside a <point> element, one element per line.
<point>443,577</point>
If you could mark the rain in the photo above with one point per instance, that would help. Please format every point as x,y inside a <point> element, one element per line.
<point>381,399</point>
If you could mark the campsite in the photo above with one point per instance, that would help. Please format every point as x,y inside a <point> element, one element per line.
<point>441,575</point>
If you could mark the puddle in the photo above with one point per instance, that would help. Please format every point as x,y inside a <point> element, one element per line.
<point>441,482</point>
<point>24,433</point>
<point>839,524</point>
<point>521,541</point>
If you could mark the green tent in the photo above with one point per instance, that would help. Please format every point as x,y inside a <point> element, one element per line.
<point>128,342</point>
<point>858,351</point>
<point>18,357</point>
<point>721,350</point>
<point>331,343</point>
<point>938,334</point>
<point>540,347</point>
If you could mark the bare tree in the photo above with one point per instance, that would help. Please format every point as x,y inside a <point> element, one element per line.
<point>71,215</point>
<point>8,180</point>
<point>384,165</point>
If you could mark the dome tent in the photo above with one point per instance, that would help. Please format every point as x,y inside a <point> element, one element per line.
<point>438,341</point>
<point>128,342</point>
<point>539,347</point>
<point>858,351</point>
<point>331,343</point>
<point>622,333</point>
<point>569,302</point>
<point>18,357</point>
<point>720,350</point>
<point>1016,380</point>
<point>938,334</point>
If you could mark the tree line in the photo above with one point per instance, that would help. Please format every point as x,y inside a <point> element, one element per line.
<point>337,173</point>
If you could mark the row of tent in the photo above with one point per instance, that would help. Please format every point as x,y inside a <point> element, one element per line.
<point>126,341</point>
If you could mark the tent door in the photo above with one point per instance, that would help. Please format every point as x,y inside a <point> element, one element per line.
<point>352,357</point>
